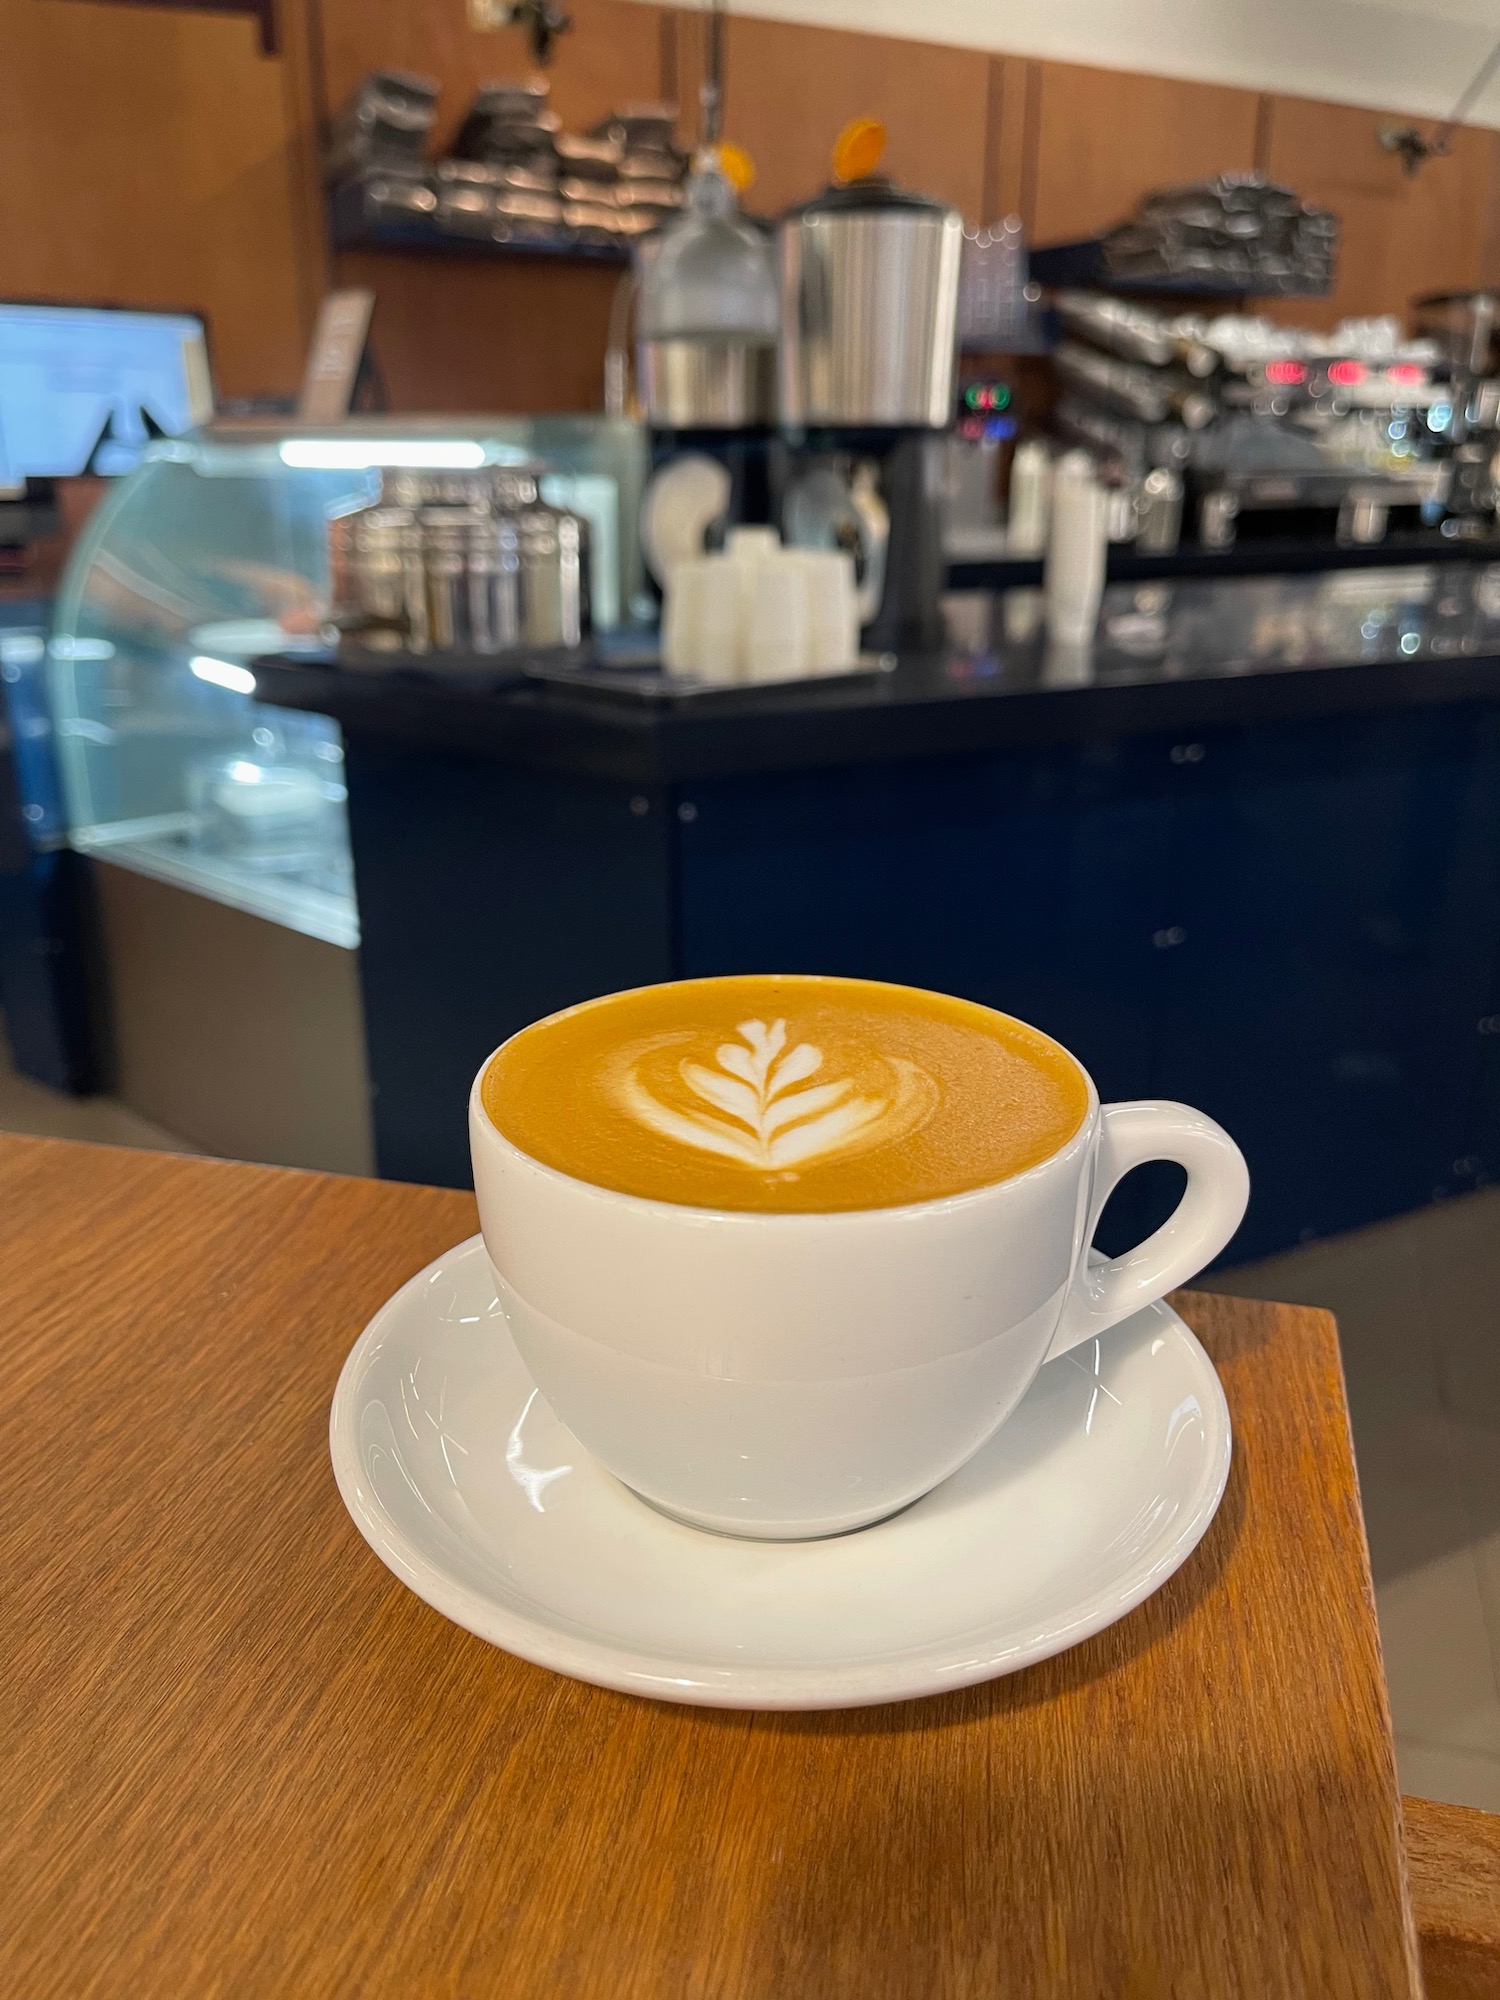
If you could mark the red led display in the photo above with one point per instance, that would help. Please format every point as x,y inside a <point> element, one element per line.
<point>1285,374</point>
<point>1346,374</point>
<point>1406,374</point>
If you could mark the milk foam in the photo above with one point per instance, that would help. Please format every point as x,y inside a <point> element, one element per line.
<point>751,1108</point>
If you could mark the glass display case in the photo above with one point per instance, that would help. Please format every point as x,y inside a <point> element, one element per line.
<point>213,553</point>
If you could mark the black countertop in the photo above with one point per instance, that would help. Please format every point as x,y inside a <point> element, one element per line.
<point>1167,656</point>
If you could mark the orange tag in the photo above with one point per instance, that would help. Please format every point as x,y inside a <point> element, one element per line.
<point>737,167</point>
<point>858,149</point>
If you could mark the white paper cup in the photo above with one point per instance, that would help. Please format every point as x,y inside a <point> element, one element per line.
<point>680,620</point>
<point>832,616</point>
<point>1077,550</point>
<point>717,652</point>
<point>751,544</point>
<point>777,633</point>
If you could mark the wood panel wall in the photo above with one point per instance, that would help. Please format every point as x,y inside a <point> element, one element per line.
<point>452,333</point>
<point>152,158</point>
<point>158,157</point>
<point>1400,236</point>
<point>790,90</point>
<point>1103,138</point>
<point>611,56</point>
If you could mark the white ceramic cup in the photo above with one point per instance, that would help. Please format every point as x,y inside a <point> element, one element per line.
<point>792,1375</point>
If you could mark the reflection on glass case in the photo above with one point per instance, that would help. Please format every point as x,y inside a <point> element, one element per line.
<point>213,553</point>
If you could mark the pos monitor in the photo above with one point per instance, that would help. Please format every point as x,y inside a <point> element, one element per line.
<point>85,388</point>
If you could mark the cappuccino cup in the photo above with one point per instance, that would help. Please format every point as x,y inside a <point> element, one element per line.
<point>783,1252</point>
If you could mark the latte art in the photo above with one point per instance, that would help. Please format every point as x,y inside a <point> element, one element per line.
<point>784,1093</point>
<point>758,1106</point>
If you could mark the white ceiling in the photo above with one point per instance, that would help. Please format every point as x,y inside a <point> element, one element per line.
<point>1414,56</point>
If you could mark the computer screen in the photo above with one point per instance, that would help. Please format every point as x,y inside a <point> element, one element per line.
<point>84,388</point>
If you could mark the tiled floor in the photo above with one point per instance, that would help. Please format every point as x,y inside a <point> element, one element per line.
<point>1418,1302</point>
<point>1418,1305</point>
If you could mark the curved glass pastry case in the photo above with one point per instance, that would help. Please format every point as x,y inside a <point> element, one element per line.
<point>213,553</point>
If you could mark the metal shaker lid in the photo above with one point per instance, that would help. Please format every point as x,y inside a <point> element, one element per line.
<point>870,194</point>
<point>858,187</point>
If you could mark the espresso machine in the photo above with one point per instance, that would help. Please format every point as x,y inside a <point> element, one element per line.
<point>869,320</point>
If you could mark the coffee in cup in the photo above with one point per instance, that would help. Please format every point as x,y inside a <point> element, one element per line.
<point>784,1251</point>
<point>785,1095</point>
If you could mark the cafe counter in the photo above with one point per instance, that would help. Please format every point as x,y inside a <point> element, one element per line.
<point>1244,850</point>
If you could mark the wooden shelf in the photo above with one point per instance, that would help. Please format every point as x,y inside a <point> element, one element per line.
<point>350,228</point>
<point>1082,264</point>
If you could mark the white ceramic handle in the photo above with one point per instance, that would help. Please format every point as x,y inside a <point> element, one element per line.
<point>1209,1213</point>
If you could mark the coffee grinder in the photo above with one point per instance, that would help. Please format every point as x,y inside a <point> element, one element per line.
<point>706,312</point>
<point>869,321</point>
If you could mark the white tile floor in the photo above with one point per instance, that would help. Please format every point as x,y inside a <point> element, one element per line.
<point>1418,1303</point>
<point>48,1114</point>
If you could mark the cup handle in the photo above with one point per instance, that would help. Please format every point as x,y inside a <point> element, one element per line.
<point>1209,1213</point>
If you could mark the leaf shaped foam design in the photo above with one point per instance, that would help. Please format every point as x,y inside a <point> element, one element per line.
<point>802,1063</point>
<point>763,1119</point>
<point>801,1104</point>
<point>740,1100</point>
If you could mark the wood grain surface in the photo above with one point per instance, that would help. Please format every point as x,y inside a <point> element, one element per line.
<point>148,158</point>
<point>1454,1859</point>
<point>1105,137</point>
<point>610,56</point>
<point>241,1760</point>
<point>1399,235</point>
<point>789,91</point>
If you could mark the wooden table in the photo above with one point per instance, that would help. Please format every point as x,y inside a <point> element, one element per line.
<point>239,1759</point>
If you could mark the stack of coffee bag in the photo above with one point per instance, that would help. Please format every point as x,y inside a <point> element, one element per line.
<point>513,174</point>
<point>1238,230</point>
<point>377,145</point>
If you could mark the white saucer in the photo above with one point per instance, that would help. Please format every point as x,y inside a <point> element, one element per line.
<point>462,1481</point>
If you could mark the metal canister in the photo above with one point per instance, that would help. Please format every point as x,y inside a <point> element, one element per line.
<point>1218,514</point>
<point>379,589</point>
<point>494,585</point>
<point>869,308</point>
<point>461,562</point>
<point>707,384</point>
<point>1158,511</point>
<point>535,566</point>
<point>447,534</point>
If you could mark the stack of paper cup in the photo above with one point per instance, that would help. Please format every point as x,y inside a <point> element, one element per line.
<point>832,609</point>
<point>776,628</point>
<point>1076,549</point>
<point>1030,499</point>
<point>715,637</point>
<point>760,612</point>
<point>751,545</point>
<point>679,614</point>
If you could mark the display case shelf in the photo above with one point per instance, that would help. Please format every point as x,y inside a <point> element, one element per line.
<point>167,855</point>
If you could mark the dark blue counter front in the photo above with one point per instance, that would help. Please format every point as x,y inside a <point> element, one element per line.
<point>50,962</point>
<point>1265,882</point>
